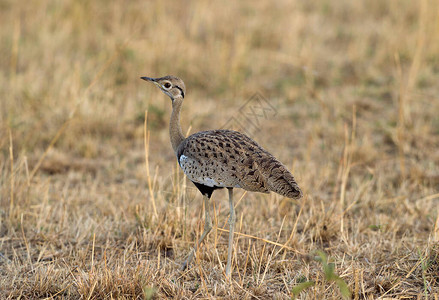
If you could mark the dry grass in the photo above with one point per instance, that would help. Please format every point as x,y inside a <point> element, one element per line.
<point>355,88</point>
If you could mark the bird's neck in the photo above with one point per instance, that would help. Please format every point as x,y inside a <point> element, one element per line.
<point>174,127</point>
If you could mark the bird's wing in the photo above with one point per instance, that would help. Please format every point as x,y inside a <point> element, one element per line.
<point>226,158</point>
<point>222,158</point>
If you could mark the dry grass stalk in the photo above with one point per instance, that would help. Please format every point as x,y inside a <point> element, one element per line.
<point>148,175</point>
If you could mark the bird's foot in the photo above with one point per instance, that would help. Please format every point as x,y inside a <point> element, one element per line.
<point>228,271</point>
<point>183,266</point>
<point>188,260</point>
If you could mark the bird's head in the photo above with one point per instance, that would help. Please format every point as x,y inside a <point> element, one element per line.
<point>170,85</point>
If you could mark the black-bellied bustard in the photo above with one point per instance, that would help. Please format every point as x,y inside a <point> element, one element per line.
<point>217,159</point>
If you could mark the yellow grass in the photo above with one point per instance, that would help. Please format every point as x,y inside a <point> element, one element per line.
<point>355,89</point>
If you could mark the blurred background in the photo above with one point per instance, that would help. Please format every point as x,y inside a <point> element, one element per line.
<point>315,61</point>
<point>354,87</point>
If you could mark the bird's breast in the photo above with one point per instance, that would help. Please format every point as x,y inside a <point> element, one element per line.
<point>204,173</point>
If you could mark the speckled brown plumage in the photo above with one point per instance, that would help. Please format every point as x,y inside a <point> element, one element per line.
<point>222,159</point>
<point>226,158</point>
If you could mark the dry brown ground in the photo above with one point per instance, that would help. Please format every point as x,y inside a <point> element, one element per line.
<point>355,89</point>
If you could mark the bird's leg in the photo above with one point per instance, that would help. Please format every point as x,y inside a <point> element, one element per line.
<point>207,228</point>
<point>231,231</point>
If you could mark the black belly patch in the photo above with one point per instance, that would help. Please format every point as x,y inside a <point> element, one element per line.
<point>206,190</point>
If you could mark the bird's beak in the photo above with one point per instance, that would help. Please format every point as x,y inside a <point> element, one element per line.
<point>148,78</point>
<point>153,80</point>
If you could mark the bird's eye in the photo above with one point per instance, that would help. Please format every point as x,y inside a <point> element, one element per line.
<point>167,85</point>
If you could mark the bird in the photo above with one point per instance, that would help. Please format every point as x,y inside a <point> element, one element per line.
<point>217,159</point>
